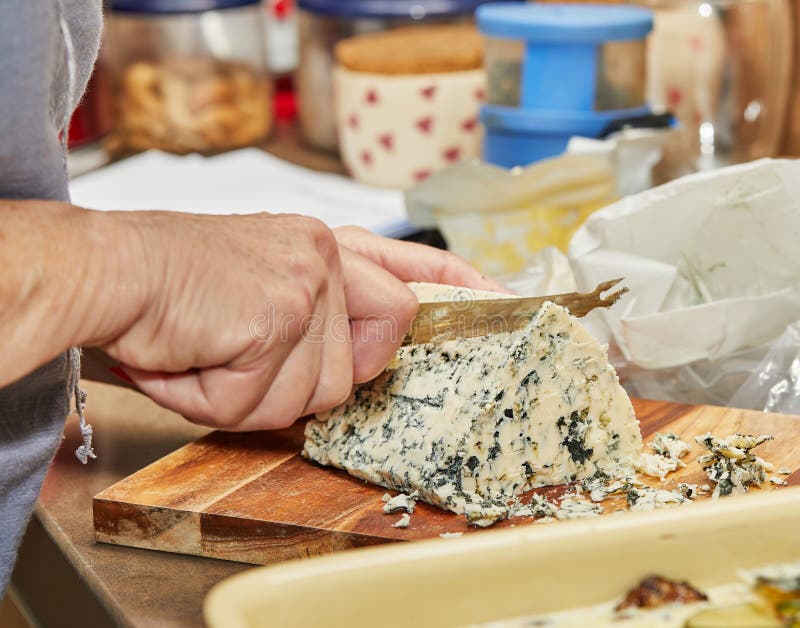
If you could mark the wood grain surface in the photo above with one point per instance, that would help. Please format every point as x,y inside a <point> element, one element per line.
<point>253,498</point>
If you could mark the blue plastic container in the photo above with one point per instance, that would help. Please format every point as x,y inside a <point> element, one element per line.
<point>555,71</point>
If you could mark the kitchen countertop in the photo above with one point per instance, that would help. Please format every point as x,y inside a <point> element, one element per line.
<point>64,578</point>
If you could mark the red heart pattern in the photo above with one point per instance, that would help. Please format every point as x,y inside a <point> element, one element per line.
<point>371,97</point>
<point>387,141</point>
<point>451,154</point>
<point>425,125</point>
<point>428,92</point>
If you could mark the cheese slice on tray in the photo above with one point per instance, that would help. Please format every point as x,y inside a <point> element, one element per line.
<point>470,423</point>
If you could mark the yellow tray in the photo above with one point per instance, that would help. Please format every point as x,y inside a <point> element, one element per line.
<point>513,572</point>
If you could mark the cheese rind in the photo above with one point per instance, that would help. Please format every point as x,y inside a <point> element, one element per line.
<point>470,423</point>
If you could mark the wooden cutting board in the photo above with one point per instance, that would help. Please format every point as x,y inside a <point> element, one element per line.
<point>253,498</point>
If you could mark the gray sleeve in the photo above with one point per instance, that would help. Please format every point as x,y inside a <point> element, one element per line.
<point>28,29</point>
<point>47,48</point>
<point>32,414</point>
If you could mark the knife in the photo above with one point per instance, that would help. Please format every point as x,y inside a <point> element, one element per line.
<point>447,320</point>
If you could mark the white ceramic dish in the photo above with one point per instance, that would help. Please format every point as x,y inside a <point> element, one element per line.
<point>515,572</point>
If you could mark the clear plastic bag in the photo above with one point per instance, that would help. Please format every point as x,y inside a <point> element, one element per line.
<point>774,385</point>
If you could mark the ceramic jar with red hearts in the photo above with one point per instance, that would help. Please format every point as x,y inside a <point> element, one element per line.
<point>407,102</point>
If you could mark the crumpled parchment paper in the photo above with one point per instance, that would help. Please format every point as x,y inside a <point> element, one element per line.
<point>713,265</point>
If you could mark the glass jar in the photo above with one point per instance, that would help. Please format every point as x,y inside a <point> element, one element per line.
<point>723,67</point>
<point>324,23</point>
<point>91,120</point>
<point>188,75</point>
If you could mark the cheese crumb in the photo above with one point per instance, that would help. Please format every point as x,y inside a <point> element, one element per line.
<point>778,481</point>
<point>730,464</point>
<point>576,507</point>
<point>484,515</point>
<point>647,498</point>
<point>403,522</point>
<point>670,446</point>
<point>451,535</point>
<point>656,466</point>
<point>542,507</point>
<point>689,491</point>
<point>401,502</point>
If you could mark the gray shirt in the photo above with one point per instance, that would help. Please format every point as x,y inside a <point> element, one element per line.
<point>47,49</point>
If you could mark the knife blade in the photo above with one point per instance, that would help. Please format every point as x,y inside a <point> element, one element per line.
<point>469,318</point>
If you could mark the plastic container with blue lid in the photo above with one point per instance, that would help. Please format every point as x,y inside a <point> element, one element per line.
<point>165,7</point>
<point>188,75</point>
<point>324,23</point>
<point>555,71</point>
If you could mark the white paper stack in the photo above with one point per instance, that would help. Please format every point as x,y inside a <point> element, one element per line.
<point>241,182</point>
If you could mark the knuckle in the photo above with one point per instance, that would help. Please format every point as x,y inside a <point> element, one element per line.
<point>338,397</point>
<point>406,307</point>
<point>309,267</point>
<point>323,239</point>
<point>228,418</point>
<point>280,421</point>
<point>278,415</point>
<point>317,230</point>
<point>351,230</point>
<point>301,300</point>
<point>337,390</point>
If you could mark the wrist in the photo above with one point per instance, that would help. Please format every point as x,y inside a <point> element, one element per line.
<point>119,273</point>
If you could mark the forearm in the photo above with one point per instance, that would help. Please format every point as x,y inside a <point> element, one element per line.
<point>68,277</point>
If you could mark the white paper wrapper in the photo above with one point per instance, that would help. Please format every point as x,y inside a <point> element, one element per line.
<point>713,264</point>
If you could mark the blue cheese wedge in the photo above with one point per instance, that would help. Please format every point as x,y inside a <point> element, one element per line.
<point>470,423</point>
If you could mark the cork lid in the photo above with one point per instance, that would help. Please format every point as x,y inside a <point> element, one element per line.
<point>414,50</point>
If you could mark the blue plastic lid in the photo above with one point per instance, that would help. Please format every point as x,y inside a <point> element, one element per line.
<point>414,9</point>
<point>587,123</point>
<point>565,23</point>
<point>176,6</point>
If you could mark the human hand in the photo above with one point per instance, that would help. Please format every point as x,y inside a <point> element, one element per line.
<point>356,305</point>
<point>241,322</point>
